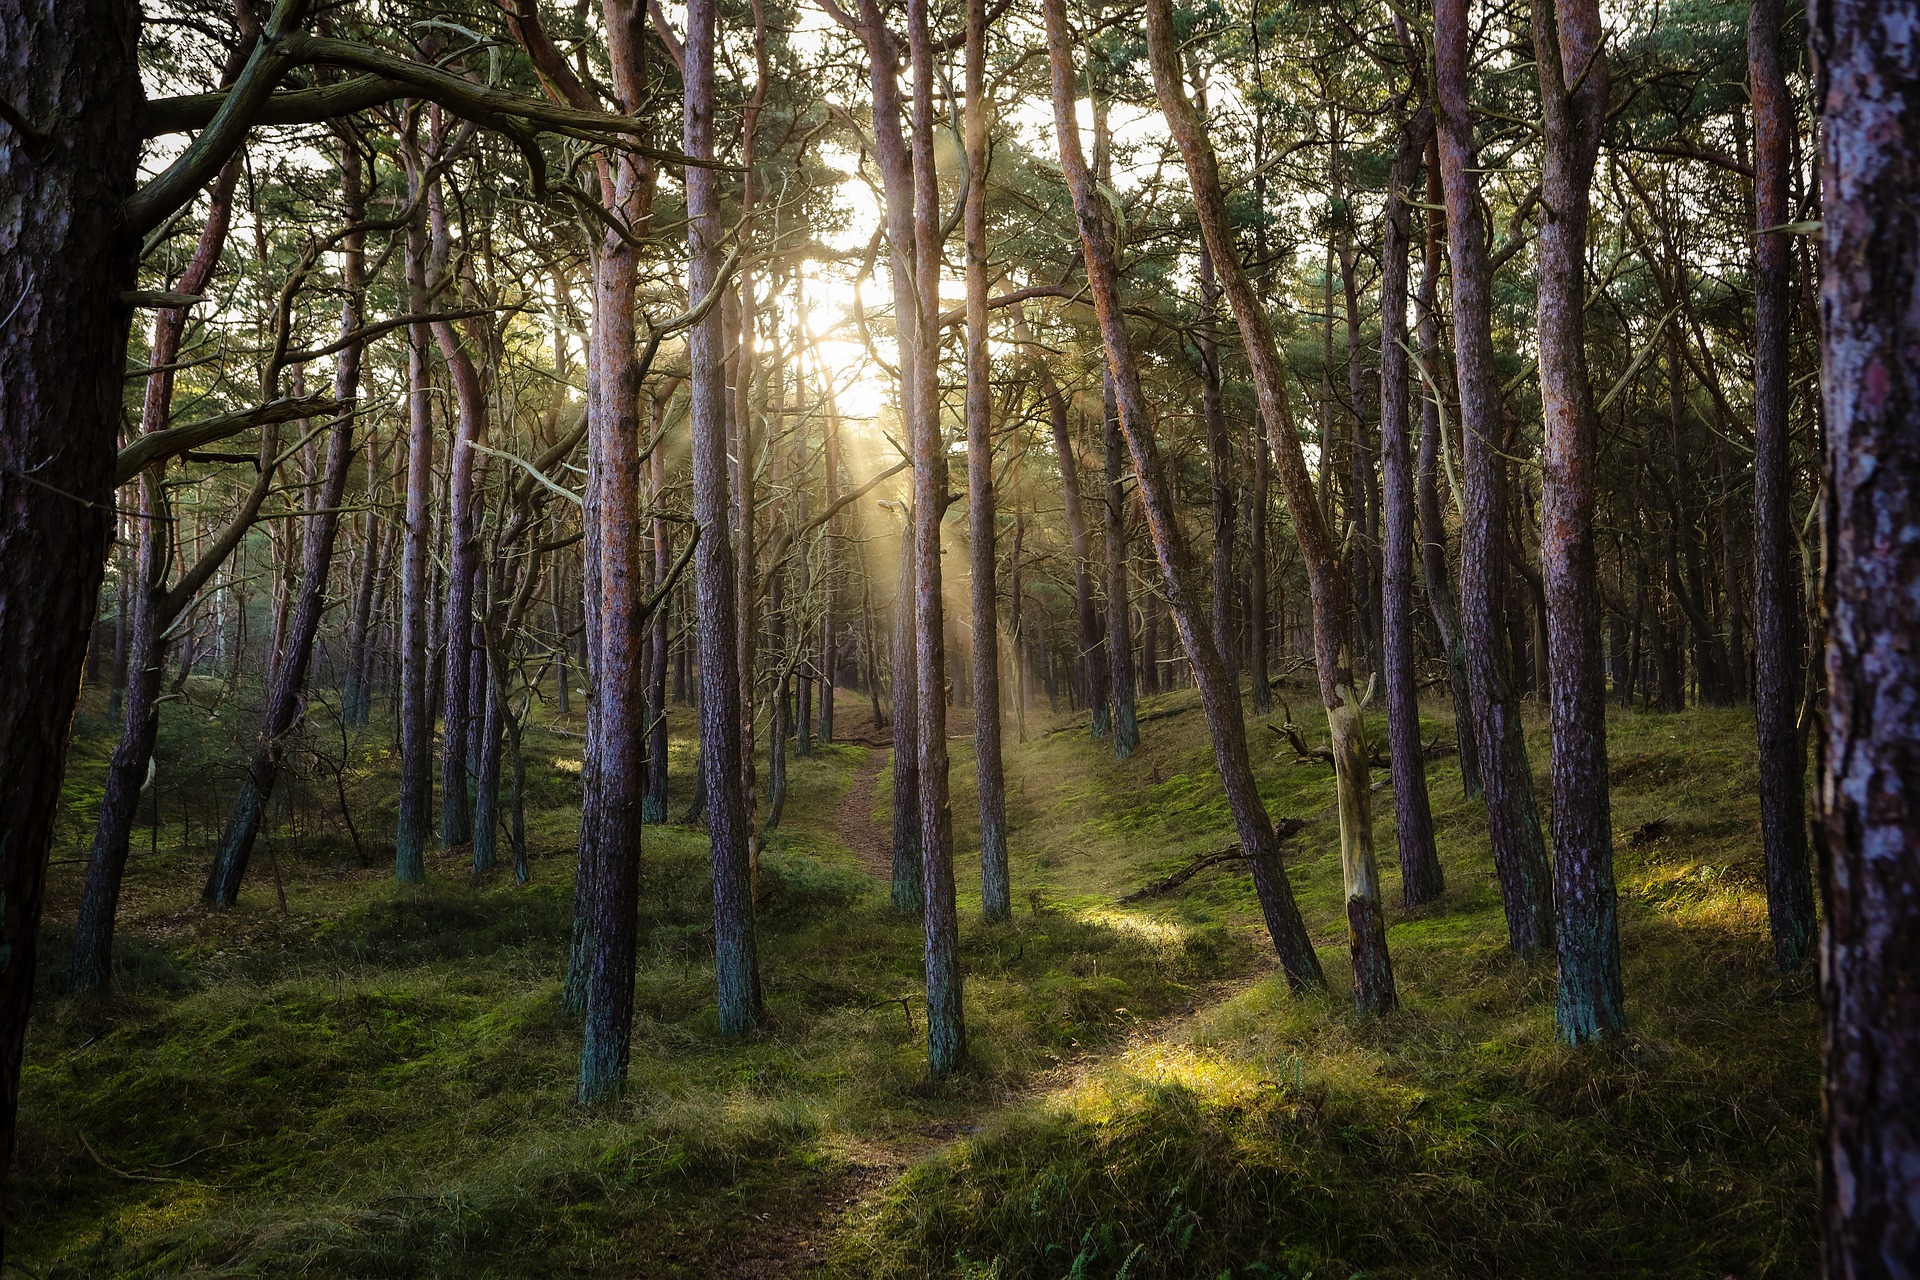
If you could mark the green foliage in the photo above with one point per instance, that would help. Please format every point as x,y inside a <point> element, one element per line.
<point>379,1082</point>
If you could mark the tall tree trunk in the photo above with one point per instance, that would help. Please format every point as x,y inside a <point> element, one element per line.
<point>736,956</point>
<point>1373,988</point>
<point>142,603</point>
<point>996,894</point>
<point>1220,462</point>
<point>1567,44</point>
<point>1869,795</point>
<point>1113,519</point>
<point>1435,573</point>
<point>287,698</point>
<point>1513,820</point>
<point>909,892</point>
<point>416,722</point>
<point>946,1025</point>
<point>1089,661</point>
<point>70,69</point>
<point>463,570</point>
<point>1219,699</point>
<point>1260,620</point>
<point>1776,604</point>
<point>653,807</point>
<point>1420,875</point>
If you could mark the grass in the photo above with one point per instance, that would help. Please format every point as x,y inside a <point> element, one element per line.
<point>378,1081</point>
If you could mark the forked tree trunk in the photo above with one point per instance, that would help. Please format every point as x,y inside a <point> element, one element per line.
<point>1870,777</point>
<point>1513,820</point>
<point>1219,699</point>
<point>1776,598</point>
<point>1373,988</point>
<point>1567,43</point>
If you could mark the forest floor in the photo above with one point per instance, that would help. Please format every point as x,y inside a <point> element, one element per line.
<point>373,1079</point>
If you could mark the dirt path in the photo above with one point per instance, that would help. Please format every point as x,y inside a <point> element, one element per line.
<point>857,828</point>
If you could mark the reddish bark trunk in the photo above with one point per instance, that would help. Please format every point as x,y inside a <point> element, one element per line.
<point>1776,595</point>
<point>1513,820</point>
<point>1567,40</point>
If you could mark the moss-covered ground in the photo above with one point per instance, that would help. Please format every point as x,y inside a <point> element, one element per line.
<point>346,1077</point>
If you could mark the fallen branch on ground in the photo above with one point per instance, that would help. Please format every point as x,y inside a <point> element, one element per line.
<point>1286,829</point>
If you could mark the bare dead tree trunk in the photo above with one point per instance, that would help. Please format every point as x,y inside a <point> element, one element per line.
<point>1869,805</point>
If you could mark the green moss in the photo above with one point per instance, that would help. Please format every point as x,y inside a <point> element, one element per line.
<point>378,1080</point>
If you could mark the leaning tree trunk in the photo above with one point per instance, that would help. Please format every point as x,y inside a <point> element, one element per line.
<point>1420,876</point>
<point>996,900</point>
<point>1219,699</point>
<point>1870,778</point>
<point>287,699</point>
<point>1513,820</point>
<point>1220,472</point>
<point>1567,42</point>
<point>145,626</point>
<point>1373,988</point>
<point>70,70</point>
<point>1776,599</point>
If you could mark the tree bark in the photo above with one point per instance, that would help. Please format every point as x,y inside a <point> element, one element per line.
<point>1869,805</point>
<point>1567,42</point>
<point>1219,699</point>
<point>1777,656</point>
<point>736,955</point>
<point>287,698</point>
<point>1513,820</point>
<point>1421,879</point>
<point>996,900</point>
<point>70,70</point>
<point>1435,573</point>
<point>946,1025</point>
